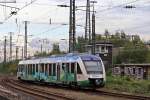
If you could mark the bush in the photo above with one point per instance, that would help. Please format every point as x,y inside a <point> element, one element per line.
<point>127,84</point>
<point>9,67</point>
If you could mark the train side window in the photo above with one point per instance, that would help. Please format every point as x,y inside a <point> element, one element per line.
<point>42,68</point>
<point>54,69</point>
<point>72,67</point>
<point>78,69</point>
<point>30,69</point>
<point>46,69</point>
<point>21,68</point>
<point>63,66</point>
<point>33,71</point>
<point>25,68</point>
<point>50,69</point>
<point>67,67</point>
<point>36,67</point>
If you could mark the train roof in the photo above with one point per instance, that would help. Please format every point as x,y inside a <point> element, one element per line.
<point>61,58</point>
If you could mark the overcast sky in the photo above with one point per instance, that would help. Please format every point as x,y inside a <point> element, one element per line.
<point>109,16</point>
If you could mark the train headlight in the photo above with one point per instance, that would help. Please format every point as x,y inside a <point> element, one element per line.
<point>97,82</point>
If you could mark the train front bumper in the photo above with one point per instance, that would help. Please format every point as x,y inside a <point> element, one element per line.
<point>96,80</point>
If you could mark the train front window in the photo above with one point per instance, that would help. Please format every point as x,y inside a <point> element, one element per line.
<point>93,67</point>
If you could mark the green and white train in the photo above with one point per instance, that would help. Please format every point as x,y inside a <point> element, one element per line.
<point>71,69</point>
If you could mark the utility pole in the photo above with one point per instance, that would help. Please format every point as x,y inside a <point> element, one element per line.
<point>5,43</point>
<point>25,40</point>
<point>93,29</point>
<point>72,28</point>
<point>17,52</point>
<point>10,51</point>
<point>88,23</point>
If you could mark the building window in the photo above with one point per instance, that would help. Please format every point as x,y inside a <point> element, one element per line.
<point>133,71</point>
<point>102,49</point>
<point>139,71</point>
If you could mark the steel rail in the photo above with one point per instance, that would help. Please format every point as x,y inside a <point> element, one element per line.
<point>100,92</point>
<point>35,91</point>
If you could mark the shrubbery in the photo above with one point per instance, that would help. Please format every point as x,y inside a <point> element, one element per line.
<point>127,84</point>
<point>9,67</point>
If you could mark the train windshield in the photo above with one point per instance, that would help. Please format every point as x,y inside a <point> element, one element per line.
<point>93,67</point>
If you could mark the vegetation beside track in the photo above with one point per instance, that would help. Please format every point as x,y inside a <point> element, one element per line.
<point>9,67</point>
<point>127,84</point>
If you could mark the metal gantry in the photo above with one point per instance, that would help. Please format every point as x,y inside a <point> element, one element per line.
<point>93,29</point>
<point>88,23</point>
<point>72,27</point>
<point>25,40</point>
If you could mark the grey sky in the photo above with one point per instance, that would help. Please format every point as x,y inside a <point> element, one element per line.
<point>108,16</point>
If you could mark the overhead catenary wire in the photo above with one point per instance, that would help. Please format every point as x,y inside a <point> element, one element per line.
<point>51,29</point>
<point>20,9</point>
<point>107,9</point>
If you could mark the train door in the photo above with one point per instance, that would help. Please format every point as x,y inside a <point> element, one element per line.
<point>58,72</point>
<point>42,74</point>
<point>65,72</point>
<point>46,70</point>
<point>37,72</point>
<point>54,72</point>
<point>26,71</point>
<point>33,69</point>
<point>73,73</point>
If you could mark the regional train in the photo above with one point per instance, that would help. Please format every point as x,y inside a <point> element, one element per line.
<point>82,70</point>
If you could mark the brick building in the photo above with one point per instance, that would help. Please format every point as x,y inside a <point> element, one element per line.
<point>137,71</point>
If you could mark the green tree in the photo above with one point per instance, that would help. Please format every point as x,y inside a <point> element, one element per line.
<point>132,53</point>
<point>148,57</point>
<point>56,49</point>
<point>80,45</point>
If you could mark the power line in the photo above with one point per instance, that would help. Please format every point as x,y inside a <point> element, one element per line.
<point>41,33</point>
<point>117,6</point>
<point>20,9</point>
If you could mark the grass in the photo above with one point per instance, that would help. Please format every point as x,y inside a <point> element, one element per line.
<point>9,68</point>
<point>127,84</point>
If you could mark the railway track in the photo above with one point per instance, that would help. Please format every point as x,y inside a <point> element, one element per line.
<point>34,91</point>
<point>102,92</point>
<point>47,95</point>
<point>128,96</point>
